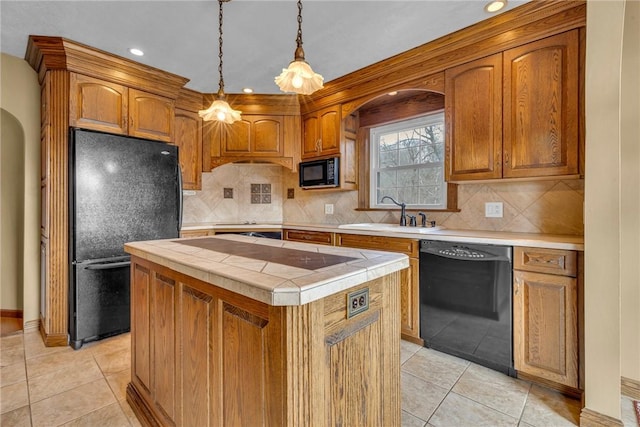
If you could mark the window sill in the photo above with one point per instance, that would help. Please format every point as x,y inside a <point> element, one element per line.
<point>407,210</point>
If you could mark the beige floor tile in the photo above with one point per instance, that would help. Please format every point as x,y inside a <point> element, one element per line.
<point>14,396</point>
<point>114,362</point>
<point>11,351</point>
<point>407,349</point>
<point>72,404</point>
<point>546,407</point>
<point>420,398</point>
<point>49,362</point>
<point>120,342</point>
<point>457,410</point>
<point>12,374</point>
<point>493,389</point>
<point>129,413</point>
<point>60,380</point>
<point>34,346</point>
<point>118,383</point>
<point>438,368</point>
<point>409,420</point>
<point>20,417</point>
<point>11,341</point>
<point>111,416</point>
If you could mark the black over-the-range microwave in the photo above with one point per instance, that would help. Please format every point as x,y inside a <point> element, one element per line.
<point>321,173</point>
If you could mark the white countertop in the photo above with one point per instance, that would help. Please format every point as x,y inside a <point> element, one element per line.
<point>269,281</point>
<point>550,241</point>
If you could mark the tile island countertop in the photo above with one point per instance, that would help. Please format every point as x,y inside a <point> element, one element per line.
<point>275,272</point>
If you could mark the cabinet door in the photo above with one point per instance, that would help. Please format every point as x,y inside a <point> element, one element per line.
<point>473,119</point>
<point>97,104</point>
<point>310,136</point>
<point>151,116</point>
<point>541,107</point>
<point>545,336</point>
<point>255,136</point>
<point>188,138</point>
<point>330,121</point>
<point>321,133</point>
<point>410,300</point>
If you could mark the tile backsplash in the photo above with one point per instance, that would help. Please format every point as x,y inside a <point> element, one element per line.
<point>237,179</point>
<point>548,206</point>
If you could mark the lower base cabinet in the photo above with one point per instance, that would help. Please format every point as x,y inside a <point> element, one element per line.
<point>205,356</point>
<point>545,315</point>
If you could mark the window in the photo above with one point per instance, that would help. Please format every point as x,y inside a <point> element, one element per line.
<point>407,163</point>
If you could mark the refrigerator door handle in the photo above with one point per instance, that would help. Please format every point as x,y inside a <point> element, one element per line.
<point>107,265</point>
<point>180,195</point>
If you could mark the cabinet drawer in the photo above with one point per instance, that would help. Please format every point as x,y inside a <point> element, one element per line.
<point>320,237</point>
<point>552,261</point>
<point>380,243</point>
<point>195,233</point>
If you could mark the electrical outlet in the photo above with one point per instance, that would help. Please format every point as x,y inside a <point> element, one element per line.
<point>357,302</point>
<point>493,210</point>
<point>328,209</point>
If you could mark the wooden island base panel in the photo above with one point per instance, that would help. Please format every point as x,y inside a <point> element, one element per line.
<point>290,334</point>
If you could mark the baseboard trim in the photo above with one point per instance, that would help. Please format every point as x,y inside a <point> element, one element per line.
<point>564,389</point>
<point>15,314</point>
<point>144,414</point>
<point>589,418</point>
<point>630,388</point>
<point>31,325</point>
<point>53,340</point>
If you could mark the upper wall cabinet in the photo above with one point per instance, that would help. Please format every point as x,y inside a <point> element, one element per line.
<point>188,138</point>
<point>109,107</point>
<point>541,108</point>
<point>515,114</point>
<point>255,136</point>
<point>150,116</point>
<point>97,104</point>
<point>321,133</point>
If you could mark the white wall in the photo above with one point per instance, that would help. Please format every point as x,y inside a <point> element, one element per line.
<point>611,208</point>
<point>630,194</point>
<point>20,97</point>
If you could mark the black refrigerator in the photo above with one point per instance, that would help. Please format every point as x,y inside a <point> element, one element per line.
<point>122,189</point>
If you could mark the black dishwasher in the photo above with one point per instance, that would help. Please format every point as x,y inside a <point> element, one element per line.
<point>466,302</point>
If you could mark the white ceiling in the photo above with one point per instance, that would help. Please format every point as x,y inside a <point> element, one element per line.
<point>181,36</point>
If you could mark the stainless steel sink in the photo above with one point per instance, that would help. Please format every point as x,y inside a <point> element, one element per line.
<point>394,228</point>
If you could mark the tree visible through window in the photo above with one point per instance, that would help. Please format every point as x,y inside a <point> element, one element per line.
<point>407,163</point>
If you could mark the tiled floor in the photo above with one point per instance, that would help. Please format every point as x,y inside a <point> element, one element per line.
<point>56,386</point>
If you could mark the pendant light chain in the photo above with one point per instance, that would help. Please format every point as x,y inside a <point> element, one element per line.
<point>221,83</point>
<point>299,38</point>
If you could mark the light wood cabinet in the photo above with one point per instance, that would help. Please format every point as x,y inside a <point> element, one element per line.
<point>196,233</point>
<point>150,116</point>
<point>473,108</point>
<point>254,136</point>
<point>540,108</point>
<point>98,104</point>
<point>545,315</point>
<point>188,138</point>
<point>409,288</point>
<point>321,131</point>
<point>204,356</point>
<point>317,237</point>
<point>109,107</point>
<point>515,114</point>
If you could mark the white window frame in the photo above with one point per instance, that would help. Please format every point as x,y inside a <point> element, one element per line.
<point>375,133</point>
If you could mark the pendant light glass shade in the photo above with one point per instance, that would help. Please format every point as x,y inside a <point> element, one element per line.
<point>299,77</point>
<point>219,109</point>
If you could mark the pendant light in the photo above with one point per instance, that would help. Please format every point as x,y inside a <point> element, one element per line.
<point>299,77</point>
<point>220,110</point>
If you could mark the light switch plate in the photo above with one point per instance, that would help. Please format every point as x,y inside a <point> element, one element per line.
<point>493,210</point>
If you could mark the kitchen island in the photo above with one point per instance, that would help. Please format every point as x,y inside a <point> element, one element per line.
<point>237,330</point>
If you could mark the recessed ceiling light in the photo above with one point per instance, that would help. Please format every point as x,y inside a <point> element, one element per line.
<point>136,52</point>
<point>247,90</point>
<point>394,93</point>
<point>495,5</point>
